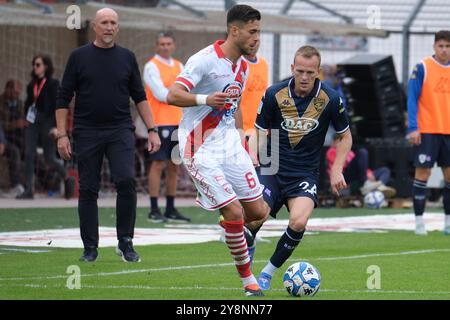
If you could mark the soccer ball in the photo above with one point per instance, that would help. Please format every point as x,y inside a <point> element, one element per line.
<point>374,199</point>
<point>301,279</point>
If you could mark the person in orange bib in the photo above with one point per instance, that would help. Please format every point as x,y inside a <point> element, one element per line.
<point>160,73</point>
<point>429,125</point>
<point>257,83</point>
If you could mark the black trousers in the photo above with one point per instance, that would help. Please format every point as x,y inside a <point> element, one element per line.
<point>12,153</point>
<point>91,147</point>
<point>39,132</point>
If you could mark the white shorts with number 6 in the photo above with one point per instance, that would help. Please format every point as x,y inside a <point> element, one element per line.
<point>219,182</point>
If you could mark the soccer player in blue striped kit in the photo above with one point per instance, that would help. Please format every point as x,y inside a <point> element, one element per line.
<point>300,109</point>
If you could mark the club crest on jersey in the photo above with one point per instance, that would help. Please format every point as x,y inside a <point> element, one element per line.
<point>319,104</point>
<point>234,90</point>
<point>303,125</point>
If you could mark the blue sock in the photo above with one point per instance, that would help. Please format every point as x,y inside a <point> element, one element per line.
<point>286,245</point>
<point>419,197</point>
<point>446,199</point>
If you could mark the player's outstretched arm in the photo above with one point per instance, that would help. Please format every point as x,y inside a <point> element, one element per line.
<point>343,147</point>
<point>179,96</point>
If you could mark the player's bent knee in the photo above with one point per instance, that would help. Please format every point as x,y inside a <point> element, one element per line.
<point>257,211</point>
<point>422,174</point>
<point>298,224</point>
<point>232,212</point>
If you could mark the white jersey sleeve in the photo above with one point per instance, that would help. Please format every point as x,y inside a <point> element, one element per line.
<point>152,78</point>
<point>193,72</point>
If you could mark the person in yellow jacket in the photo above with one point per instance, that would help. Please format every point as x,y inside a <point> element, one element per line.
<point>160,73</point>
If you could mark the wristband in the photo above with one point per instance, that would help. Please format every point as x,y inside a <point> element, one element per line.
<point>200,99</point>
<point>61,136</point>
<point>153,129</point>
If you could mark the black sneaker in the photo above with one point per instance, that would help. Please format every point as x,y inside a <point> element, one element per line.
<point>89,255</point>
<point>155,216</point>
<point>69,187</point>
<point>126,251</point>
<point>174,216</point>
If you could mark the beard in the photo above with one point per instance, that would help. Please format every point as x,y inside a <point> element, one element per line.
<point>247,51</point>
<point>108,39</point>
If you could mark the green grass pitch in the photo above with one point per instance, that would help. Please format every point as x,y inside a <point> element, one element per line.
<point>411,267</point>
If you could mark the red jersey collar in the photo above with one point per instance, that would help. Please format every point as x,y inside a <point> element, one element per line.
<point>221,55</point>
<point>219,51</point>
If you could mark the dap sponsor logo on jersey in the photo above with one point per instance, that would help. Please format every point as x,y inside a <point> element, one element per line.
<point>234,91</point>
<point>303,125</point>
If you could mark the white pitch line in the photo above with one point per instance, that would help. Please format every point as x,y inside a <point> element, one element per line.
<point>383,254</point>
<point>105,274</point>
<point>140,287</point>
<point>25,250</point>
<point>203,266</point>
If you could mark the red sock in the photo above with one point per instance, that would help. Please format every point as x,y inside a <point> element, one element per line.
<point>235,240</point>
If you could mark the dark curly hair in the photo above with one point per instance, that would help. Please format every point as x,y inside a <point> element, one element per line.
<point>442,35</point>
<point>49,69</point>
<point>242,13</point>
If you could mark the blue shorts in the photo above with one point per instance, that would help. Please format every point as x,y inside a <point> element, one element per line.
<point>434,147</point>
<point>279,189</point>
<point>169,141</point>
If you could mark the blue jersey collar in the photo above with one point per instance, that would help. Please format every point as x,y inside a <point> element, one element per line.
<point>314,92</point>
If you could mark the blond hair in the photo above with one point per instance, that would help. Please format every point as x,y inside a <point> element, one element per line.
<point>308,52</point>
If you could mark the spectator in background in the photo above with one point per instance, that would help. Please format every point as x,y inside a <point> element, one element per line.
<point>12,117</point>
<point>429,125</point>
<point>257,83</point>
<point>331,77</point>
<point>40,114</point>
<point>159,74</point>
<point>356,169</point>
<point>11,152</point>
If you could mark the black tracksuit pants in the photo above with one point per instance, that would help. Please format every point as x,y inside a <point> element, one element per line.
<point>91,146</point>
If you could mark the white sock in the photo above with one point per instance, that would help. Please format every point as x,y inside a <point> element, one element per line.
<point>269,269</point>
<point>249,280</point>
<point>419,220</point>
<point>447,220</point>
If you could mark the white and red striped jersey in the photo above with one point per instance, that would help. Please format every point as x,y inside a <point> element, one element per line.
<point>204,128</point>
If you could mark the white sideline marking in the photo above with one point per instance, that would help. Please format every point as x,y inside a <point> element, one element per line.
<point>39,286</point>
<point>24,250</point>
<point>186,233</point>
<point>384,254</point>
<point>202,266</point>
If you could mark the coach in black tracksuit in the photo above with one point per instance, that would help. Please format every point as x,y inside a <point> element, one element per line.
<point>103,76</point>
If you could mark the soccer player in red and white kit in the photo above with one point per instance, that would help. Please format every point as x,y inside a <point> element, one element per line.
<point>209,90</point>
